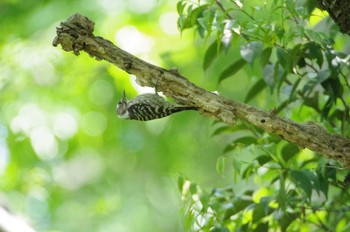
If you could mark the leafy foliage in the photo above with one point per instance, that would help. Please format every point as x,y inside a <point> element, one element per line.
<point>67,163</point>
<point>290,56</point>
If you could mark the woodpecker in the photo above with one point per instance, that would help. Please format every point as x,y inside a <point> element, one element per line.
<point>147,107</point>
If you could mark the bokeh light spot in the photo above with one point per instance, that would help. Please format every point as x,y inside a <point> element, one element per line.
<point>64,125</point>
<point>84,168</point>
<point>168,23</point>
<point>44,142</point>
<point>94,123</point>
<point>101,92</point>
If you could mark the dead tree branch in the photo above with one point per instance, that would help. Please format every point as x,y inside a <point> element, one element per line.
<point>76,34</point>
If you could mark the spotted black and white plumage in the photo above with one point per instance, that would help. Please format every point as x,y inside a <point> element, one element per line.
<point>147,107</point>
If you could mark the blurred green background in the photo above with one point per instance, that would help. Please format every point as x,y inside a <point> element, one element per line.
<point>67,163</point>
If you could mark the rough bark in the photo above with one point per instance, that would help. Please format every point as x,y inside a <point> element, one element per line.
<point>339,10</point>
<point>76,34</point>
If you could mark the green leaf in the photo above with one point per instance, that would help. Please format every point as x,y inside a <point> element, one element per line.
<point>219,229</point>
<point>181,21</point>
<point>333,87</point>
<point>283,58</point>
<point>280,76</point>
<point>212,52</point>
<point>248,171</point>
<point>285,218</point>
<point>297,55</point>
<point>205,200</point>
<point>256,89</point>
<point>223,130</point>
<point>204,21</point>
<point>193,188</point>
<point>262,227</point>
<point>239,204</point>
<point>280,32</point>
<point>197,13</point>
<point>232,69</point>
<point>263,159</point>
<point>237,166</point>
<point>180,182</point>
<point>324,183</point>
<point>251,50</point>
<point>258,212</point>
<point>265,56</point>
<point>318,79</point>
<point>246,140</point>
<point>312,101</point>
<point>192,17</point>
<point>313,50</point>
<point>292,92</point>
<point>248,193</point>
<point>229,147</point>
<point>291,7</point>
<point>180,6</point>
<point>221,164</point>
<point>288,151</point>
<point>307,181</point>
<point>265,202</point>
<point>314,36</point>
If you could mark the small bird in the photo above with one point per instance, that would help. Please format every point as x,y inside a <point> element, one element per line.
<point>147,107</point>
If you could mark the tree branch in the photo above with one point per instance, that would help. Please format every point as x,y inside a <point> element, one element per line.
<point>339,10</point>
<point>76,34</point>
